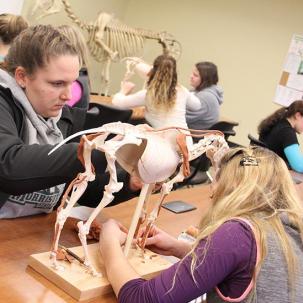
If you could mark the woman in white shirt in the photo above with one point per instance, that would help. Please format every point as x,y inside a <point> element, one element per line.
<point>164,99</point>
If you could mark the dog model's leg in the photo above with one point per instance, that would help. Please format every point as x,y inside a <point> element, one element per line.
<point>109,148</point>
<point>145,191</point>
<point>77,187</point>
<point>165,190</point>
<point>143,214</point>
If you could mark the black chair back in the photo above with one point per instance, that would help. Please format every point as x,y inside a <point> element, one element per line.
<point>226,127</point>
<point>202,164</point>
<point>255,141</point>
<point>99,114</point>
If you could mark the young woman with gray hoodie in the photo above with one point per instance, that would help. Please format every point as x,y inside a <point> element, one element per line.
<point>35,85</point>
<point>204,79</point>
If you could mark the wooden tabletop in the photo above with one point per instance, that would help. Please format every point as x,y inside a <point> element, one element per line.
<point>19,238</point>
<point>138,112</point>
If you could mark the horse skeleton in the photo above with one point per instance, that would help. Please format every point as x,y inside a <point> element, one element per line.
<point>109,39</point>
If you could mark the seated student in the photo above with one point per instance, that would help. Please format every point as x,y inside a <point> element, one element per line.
<point>250,244</point>
<point>35,84</point>
<point>164,99</point>
<point>279,132</point>
<point>80,87</point>
<point>10,27</point>
<point>204,79</point>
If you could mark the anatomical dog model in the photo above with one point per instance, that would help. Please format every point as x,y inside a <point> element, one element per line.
<point>152,155</point>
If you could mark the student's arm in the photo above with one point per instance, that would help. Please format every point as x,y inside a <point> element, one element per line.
<point>162,243</point>
<point>118,269</point>
<point>176,284</point>
<point>192,101</point>
<point>124,101</point>
<point>294,157</point>
<point>26,168</point>
<point>143,69</point>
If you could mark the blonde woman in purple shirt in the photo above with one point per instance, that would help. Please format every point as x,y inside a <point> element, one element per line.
<point>249,248</point>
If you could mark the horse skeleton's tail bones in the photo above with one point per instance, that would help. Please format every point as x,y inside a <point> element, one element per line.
<point>130,135</point>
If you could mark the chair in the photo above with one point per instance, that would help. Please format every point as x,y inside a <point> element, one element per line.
<point>255,141</point>
<point>200,166</point>
<point>226,127</point>
<point>99,114</point>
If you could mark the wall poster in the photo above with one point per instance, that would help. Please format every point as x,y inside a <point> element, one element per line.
<point>290,87</point>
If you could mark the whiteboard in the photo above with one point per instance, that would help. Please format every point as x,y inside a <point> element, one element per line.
<point>290,87</point>
<point>11,6</point>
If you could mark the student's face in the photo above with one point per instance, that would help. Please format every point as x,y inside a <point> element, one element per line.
<point>298,125</point>
<point>195,78</point>
<point>49,88</point>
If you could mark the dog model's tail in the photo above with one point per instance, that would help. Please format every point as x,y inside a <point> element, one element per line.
<point>81,133</point>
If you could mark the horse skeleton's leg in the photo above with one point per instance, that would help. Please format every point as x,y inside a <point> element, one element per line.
<point>105,76</point>
<point>100,42</point>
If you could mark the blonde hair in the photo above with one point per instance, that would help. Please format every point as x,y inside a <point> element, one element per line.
<point>77,39</point>
<point>162,82</point>
<point>10,27</point>
<point>259,193</point>
<point>33,48</point>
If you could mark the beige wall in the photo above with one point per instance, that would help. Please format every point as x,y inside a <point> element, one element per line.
<point>87,11</point>
<point>248,40</point>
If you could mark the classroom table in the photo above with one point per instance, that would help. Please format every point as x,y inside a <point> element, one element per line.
<point>138,112</point>
<point>21,237</point>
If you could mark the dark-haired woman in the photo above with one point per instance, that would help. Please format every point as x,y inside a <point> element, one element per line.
<point>204,79</point>
<point>279,132</point>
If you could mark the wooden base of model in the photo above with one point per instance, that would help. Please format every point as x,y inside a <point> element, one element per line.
<point>81,285</point>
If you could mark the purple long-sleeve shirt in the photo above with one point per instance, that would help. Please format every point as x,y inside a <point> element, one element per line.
<point>228,264</point>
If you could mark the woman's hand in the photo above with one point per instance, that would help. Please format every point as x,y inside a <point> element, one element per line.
<point>135,183</point>
<point>162,243</point>
<point>127,87</point>
<point>112,233</point>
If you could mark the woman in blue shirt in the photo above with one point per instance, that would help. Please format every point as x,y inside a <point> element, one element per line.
<point>279,132</point>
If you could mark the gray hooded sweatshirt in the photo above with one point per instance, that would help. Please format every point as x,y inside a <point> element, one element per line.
<point>38,131</point>
<point>211,98</point>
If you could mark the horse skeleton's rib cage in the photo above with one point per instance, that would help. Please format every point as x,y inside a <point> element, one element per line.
<point>140,151</point>
<point>121,39</point>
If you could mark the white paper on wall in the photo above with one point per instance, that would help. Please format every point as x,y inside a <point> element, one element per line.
<point>285,96</point>
<point>290,87</point>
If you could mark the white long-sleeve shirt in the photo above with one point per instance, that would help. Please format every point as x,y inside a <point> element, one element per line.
<point>157,117</point>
